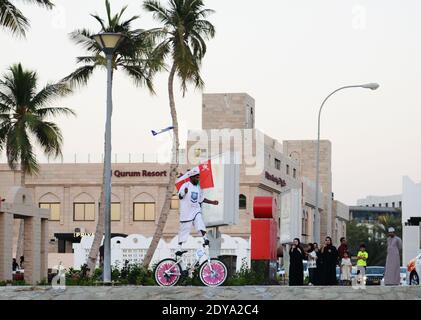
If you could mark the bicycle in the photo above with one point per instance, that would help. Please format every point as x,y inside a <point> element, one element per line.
<point>212,272</point>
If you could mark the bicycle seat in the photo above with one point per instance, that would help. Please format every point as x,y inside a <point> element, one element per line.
<point>180,253</point>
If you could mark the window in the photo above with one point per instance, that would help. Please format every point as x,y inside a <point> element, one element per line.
<point>287,168</point>
<point>387,205</point>
<point>400,204</point>
<point>380,204</point>
<point>54,210</point>
<point>84,211</point>
<point>294,173</point>
<point>243,202</point>
<point>277,164</point>
<point>144,211</point>
<point>115,211</point>
<point>175,202</point>
<point>393,204</point>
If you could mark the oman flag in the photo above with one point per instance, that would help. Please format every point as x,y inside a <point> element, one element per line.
<point>206,177</point>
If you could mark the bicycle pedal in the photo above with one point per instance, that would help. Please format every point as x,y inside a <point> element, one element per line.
<point>184,273</point>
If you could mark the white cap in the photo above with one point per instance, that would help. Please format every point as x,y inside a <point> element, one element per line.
<point>391,230</point>
<point>193,172</point>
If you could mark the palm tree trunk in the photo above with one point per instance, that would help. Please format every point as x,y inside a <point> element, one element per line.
<point>100,227</point>
<point>173,175</point>
<point>21,235</point>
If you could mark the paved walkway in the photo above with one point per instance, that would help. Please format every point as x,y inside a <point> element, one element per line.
<point>203,293</point>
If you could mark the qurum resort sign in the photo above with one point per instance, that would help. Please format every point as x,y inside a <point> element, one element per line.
<point>143,173</point>
<point>277,180</point>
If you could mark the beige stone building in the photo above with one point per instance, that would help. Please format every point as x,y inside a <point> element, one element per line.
<point>268,168</point>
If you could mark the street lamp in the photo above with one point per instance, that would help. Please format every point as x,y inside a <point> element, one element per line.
<point>371,86</point>
<point>108,43</point>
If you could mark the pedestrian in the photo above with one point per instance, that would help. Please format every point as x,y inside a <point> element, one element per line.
<point>15,265</point>
<point>312,264</point>
<point>343,247</point>
<point>22,262</point>
<point>346,269</point>
<point>318,273</point>
<point>362,257</point>
<point>296,268</point>
<point>392,270</point>
<point>329,255</point>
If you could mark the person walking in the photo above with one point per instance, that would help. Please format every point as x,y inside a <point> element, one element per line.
<point>392,270</point>
<point>312,265</point>
<point>362,257</point>
<point>329,255</point>
<point>296,268</point>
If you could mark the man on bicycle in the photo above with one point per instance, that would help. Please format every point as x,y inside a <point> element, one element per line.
<point>191,199</point>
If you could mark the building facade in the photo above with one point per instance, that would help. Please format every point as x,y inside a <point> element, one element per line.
<point>285,171</point>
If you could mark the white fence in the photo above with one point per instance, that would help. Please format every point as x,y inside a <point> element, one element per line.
<point>133,249</point>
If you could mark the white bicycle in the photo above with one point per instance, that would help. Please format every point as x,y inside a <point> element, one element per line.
<point>212,272</point>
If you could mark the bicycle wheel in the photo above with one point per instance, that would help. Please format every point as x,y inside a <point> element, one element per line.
<point>167,273</point>
<point>213,273</point>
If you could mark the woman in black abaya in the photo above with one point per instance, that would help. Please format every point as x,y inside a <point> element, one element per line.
<point>296,269</point>
<point>329,256</point>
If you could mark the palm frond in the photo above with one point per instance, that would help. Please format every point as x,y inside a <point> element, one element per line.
<point>159,12</point>
<point>47,134</point>
<point>54,111</point>
<point>80,76</point>
<point>43,3</point>
<point>100,20</point>
<point>83,37</point>
<point>49,94</point>
<point>13,19</point>
<point>139,76</point>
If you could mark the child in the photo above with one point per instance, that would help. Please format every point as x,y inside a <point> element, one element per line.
<point>362,257</point>
<point>346,269</point>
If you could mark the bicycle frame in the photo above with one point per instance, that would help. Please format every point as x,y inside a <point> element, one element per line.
<point>194,265</point>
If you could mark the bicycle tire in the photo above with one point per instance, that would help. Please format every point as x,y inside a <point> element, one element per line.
<point>213,280</point>
<point>161,267</point>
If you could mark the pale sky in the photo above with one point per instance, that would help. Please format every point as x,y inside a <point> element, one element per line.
<point>287,54</point>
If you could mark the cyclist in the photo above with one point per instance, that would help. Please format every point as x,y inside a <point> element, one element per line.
<point>191,199</point>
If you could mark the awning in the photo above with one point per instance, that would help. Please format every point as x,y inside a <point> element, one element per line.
<point>71,237</point>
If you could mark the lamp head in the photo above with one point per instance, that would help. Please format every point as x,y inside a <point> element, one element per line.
<point>108,41</point>
<point>372,86</point>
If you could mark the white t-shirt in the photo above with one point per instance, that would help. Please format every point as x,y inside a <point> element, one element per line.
<point>190,205</point>
<point>312,257</point>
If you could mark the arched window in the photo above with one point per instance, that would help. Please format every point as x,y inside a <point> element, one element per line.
<point>83,208</point>
<point>144,208</point>
<point>242,202</point>
<point>51,202</point>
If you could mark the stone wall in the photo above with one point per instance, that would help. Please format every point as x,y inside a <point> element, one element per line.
<point>211,294</point>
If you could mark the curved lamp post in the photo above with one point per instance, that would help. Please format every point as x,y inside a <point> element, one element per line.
<point>372,86</point>
<point>108,43</point>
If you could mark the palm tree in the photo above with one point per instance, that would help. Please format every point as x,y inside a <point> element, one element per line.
<point>11,18</point>
<point>135,56</point>
<point>183,33</point>
<point>23,122</point>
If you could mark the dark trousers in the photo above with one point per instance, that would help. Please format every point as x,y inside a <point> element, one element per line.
<point>312,274</point>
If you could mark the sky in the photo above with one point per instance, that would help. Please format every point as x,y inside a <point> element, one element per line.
<point>287,54</point>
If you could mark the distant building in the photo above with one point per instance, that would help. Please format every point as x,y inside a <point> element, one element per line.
<point>394,201</point>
